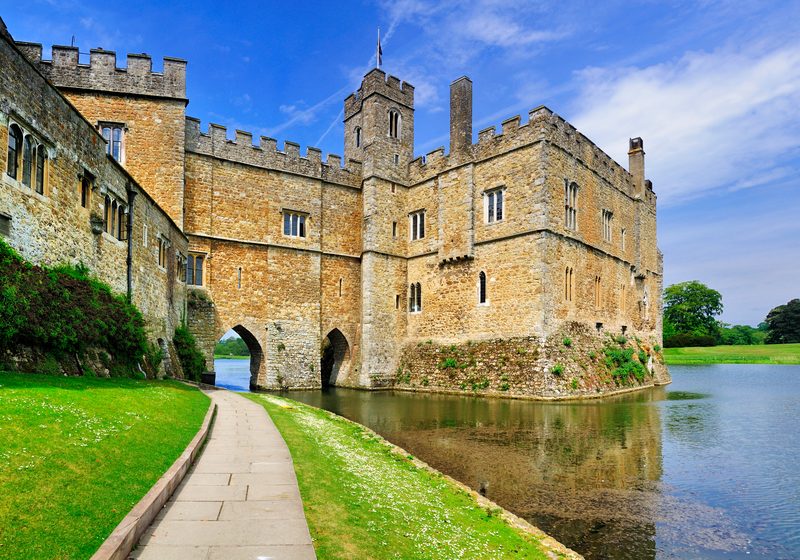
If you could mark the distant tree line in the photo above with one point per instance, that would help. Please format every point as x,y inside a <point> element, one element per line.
<point>231,347</point>
<point>690,319</point>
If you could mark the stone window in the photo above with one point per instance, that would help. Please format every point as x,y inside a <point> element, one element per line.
<point>623,298</point>
<point>493,205</point>
<point>163,244</point>
<point>396,162</point>
<point>14,148</point>
<point>41,168</point>
<point>395,122</point>
<point>568,283</point>
<point>180,266</point>
<point>358,137</point>
<point>340,287</point>
<point>86,189</point>
<point>144,235</point>
<point>482,288</point>
<point>622,238</point>
<point>5,225</point>
<point>114,216</point>
<point>294,224</point>
<point>394,229</point>
<point>571,206</point>
<point>114,135</point>
<point>415,298</point>
<point>397,301</point>
<point>598,292</point>
<point>194,270</point>
<point>107,212</point>
<point>239,279</point>
<point>607,218</point>
<point>111,223</point>
<point>27,160</point>
<point>122,230</point>
<point>416,224</point>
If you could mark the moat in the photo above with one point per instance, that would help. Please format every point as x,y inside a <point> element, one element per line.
<point>703,468</point>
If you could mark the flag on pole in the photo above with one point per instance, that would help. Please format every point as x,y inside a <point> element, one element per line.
<point>379,52</point>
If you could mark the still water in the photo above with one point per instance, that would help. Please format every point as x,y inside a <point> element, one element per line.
<point>708,467</point>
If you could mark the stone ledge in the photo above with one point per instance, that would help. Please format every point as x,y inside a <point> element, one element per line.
<point>121,541</point>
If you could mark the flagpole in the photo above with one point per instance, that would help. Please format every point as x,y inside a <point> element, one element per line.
<point>378,51</point>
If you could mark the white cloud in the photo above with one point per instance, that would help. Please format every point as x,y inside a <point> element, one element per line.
<point>710,120</point>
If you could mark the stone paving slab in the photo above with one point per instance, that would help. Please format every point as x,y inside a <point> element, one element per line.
<point>239,501</point>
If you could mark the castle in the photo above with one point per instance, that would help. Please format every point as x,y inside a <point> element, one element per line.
<point>498,266</point>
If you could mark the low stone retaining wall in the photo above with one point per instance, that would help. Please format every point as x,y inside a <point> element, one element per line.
<point>574,363</point>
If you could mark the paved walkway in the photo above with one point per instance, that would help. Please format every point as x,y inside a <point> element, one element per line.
<point>239,501</point>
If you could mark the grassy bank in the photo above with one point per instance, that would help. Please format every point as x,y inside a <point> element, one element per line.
<point>755,354</point>
<point>221,357</point>
<point>363,500</point>
<point>77,453</point>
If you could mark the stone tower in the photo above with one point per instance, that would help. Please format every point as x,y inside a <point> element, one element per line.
<point>379,131</point>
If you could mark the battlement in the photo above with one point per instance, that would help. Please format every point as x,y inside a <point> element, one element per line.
<point>64,70</point>
<point>266,154</point>
<point>542,125</point>
<point>377,82</point>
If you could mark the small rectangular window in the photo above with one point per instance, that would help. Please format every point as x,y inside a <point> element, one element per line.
<point>394,229</point>
<point>607,218</point>
<point>86,188</point>
<point>5,225</point>
<point>194,270</point>
<point>417,224</point>
<point>294,224</point>
<point>114,135</point>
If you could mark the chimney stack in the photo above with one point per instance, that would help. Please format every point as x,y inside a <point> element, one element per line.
<point>460,115</point>
<point>636,164</point>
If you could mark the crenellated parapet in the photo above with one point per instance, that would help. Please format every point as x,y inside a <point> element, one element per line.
<point>543,125</point>
<point>65,71</point>
<point>215,143</point>
<point>376,81</point>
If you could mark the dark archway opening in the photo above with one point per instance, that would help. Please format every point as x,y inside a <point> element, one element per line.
<point>237,360</point>
<point>335,354</point>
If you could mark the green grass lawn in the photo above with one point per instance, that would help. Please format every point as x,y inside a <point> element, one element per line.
<point>223,357</point>
<point>77,453</point>
<point>755,354</point>
<point>363,500</point>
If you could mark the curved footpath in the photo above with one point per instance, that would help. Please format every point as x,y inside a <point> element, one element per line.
<point>239,501</point>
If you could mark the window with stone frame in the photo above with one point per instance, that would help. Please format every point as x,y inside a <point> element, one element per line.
<point>494,205</point>
<point>114,135</point>
<point>14,150</point>
<point>395,122</point>
<point>571,206</point>
<point>607,219</point>
<point>415,298</point>
<point>40,180</point>
<point>568,283</point>
<point>163,245</point>
<point>194,269</point>
<point>180,266</point>
<point>86,189</point>
<point>482,300</point>
<point>358,137</point>
<point>294,223</point>
<point>416,225</point>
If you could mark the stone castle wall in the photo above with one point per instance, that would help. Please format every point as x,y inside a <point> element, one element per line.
<point>54,228</point>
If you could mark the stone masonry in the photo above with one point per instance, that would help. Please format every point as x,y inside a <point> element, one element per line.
<point>497,277</point>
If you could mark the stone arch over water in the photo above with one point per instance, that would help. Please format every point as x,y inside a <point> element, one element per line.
<point>256,352</point>
<point>335,358</point>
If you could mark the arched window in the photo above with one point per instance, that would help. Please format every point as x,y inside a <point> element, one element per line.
<point>571,206</point>
<point>340,287</point>
<point>394,124</point>
<point>482,287</point>
<point>121,223</point>
<point>14,145</point>
<point>415,298</point>
<point>113,225</point>
<point>568,284</point>
<point>358,137</point>
<point>41,158</point>
<point>106,212</point>
<point>27,161</point>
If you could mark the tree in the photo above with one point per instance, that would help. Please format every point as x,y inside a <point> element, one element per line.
<point>783,323</point>
<point>690,308</point>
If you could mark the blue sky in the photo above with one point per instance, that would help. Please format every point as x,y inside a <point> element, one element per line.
<point>713,87</point>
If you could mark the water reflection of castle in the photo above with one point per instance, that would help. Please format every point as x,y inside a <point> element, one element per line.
<point>587,473</point>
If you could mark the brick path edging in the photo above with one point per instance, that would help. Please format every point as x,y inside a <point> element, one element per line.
<point>124,537</point>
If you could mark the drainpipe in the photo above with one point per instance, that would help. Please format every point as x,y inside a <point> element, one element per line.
<point>131,196</point>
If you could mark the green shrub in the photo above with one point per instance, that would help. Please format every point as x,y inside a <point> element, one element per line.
<point>64,310</point>
<point>567,341</point>
<point>447,363</point>
<point>557,369</point>
<point>153,356</point>
<point>425,381</point>
<point>642,357</point>
<point>504,386</point>
<point>686,340</point>
<point>592,355</point>
<point>620,339</point>
<point>190,356</point>
<point>574,383</point>
<point>657,348</point>
<point>622,365</point>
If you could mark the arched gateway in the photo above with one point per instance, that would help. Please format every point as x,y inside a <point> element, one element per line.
<point>256,352</point>
<point>335,358</point>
